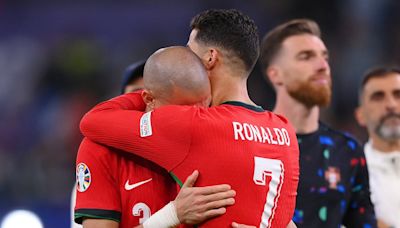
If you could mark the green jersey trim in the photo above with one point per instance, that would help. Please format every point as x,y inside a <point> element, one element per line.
<point>244,105</point>
<point>180,183</point>
<point>177,180</point>
<point>82,214</point>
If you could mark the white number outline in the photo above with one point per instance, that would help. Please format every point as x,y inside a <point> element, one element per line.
<point>274,168</point>
<point>141,207</point>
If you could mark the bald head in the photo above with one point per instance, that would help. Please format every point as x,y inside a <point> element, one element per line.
<point>175,75</point>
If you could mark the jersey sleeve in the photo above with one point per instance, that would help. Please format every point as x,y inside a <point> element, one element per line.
<point>162,136</point>
<point>360,211</point>
<point>97,194</point>
<point>129,101</point>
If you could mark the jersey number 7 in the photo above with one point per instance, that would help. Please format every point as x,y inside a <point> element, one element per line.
<point>264,167</point>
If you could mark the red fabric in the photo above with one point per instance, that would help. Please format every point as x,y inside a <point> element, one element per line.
<point>185,138</point>
<point>110,170</point>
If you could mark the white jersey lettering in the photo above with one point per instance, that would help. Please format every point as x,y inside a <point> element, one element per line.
<point>238,130</point>
<point>250,132</point>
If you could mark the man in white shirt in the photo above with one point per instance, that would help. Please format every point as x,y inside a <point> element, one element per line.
<point>379,112</point>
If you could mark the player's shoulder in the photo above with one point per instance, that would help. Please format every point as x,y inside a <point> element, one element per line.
<point>281,118</point>
<point>339,136</point>
<point>88,148</point>
<point>172,107</point>
<point>176,111</point>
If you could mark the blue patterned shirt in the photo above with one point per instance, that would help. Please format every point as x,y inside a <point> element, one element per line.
<point>333,188</point>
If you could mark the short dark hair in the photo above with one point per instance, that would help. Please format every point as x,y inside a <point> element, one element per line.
<point>272,41</point>
<point>231,30</point>
<point>376,72</point>
<point>132,73</point>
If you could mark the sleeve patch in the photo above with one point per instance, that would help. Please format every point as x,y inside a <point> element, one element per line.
<point>83,177</point>
<point>145,125</point>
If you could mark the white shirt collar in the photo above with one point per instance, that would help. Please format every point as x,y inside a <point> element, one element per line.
<point>379,158</point>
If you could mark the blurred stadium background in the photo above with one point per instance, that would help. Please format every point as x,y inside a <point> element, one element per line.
<point>59,58</point>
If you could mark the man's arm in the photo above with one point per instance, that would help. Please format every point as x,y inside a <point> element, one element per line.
<point>129,101</point>
<point>162,136</point>
<point>360,211</point>
<point>99,223</point>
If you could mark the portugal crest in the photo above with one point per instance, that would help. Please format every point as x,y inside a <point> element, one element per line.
<point>332,175</point>
<point>83,178</point>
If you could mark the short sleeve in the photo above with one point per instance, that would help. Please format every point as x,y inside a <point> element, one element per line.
<point>97,193</point>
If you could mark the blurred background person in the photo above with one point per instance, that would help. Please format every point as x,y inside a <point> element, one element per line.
<point>333,185</point>
<point>133,77</point>
<point>379,112</point>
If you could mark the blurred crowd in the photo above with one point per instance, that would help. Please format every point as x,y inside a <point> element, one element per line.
<point>58,59</point>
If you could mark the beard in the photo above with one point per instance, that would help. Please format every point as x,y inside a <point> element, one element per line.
<point>386,131</point>
<point>311,95</point>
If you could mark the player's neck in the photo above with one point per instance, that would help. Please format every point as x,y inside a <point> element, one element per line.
<point>303,119</point>
<point>383,145</point>
<point>227,87</point>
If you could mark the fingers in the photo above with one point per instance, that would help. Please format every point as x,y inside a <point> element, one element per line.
<point>216,200</point>
<point>214,213</point>
<point>236,225</point>
<point>220,203</point>
<point>207,190</point>
<point>220,196</point>
<point>190,180</point>
<point>217,204</point>
<point>212,201</point>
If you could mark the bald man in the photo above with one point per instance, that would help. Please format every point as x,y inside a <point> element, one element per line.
<point>119,190</point>
<point>169,78</point>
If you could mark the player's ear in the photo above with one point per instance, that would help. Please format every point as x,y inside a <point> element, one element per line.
<point>359,115</point>
<point>211,58</point>
<point>274,75</point>
<point>148,98</point>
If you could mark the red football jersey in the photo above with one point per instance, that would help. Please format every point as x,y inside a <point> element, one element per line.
<point>253,150</point>
<point>119,186</point>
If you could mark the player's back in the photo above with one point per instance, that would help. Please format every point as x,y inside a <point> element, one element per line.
<point>254,151</point>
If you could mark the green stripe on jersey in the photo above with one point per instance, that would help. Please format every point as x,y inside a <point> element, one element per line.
<point>176,179</point>
<point>180,183</point>
<point>81,214</point>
